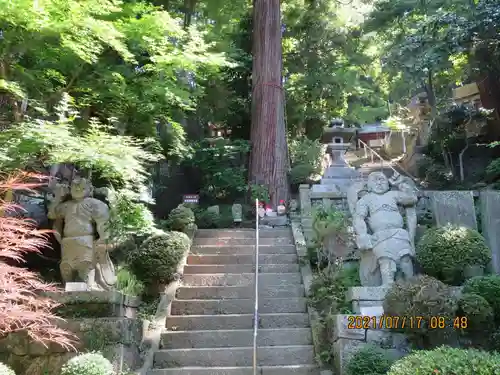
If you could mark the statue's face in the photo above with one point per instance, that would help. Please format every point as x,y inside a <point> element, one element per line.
<point>378,183</point>
<point>79,188</point>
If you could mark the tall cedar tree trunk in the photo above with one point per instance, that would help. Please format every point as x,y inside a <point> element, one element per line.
<point>269,157</point>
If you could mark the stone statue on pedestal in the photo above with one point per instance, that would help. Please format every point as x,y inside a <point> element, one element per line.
<point>78,222</point>
<point>386,243</point>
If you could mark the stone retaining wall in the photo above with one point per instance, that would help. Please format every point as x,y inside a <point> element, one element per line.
<point>118,339</point>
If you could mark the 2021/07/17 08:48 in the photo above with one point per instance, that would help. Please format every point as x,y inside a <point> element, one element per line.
<point>401,322</point>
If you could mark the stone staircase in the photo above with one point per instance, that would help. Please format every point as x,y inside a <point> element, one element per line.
<point>209,330</point>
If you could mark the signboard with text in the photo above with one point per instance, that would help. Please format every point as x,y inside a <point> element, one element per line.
<point>191,198</point>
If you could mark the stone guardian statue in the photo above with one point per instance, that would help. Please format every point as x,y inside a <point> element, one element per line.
<point>81,229</point>
<point>385,242</point>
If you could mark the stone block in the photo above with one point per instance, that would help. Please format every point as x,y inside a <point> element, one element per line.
<point>343,350</point>
<point>341,330</point>
<point>490,222</point>
<point>366,297</point>
<point>454,207</point>
<point>76,287</point>
<point>276,221</point>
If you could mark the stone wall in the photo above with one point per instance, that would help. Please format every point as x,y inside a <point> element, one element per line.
<point>102,321</point>
<point>347,340</point>
<point>118,339</point>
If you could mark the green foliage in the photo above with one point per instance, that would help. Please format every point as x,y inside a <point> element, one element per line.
<point>88,364</point>
<point>425,297</point>
<point>128,217</point>
<point>304,151</point>
<point>369,360</point>
<point>180,218</point>
<point>5,370</point>
<point>301,173</point>
<point>448,361</point>
<point>447,251</point>
<point>477,310</point>
<point>493,170</point>
<point>157,259</point>
<point>128,284</point>
<point>329,287</point>
<point>221,165</point>
<point>205,219</point>
<point>328,221</point>
<point>259,192</point>
<point>487,287</point>
<point>119,160</point>
<point>128,60</point>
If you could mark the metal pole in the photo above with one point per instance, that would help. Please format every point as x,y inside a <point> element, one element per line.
<point>256,310</point>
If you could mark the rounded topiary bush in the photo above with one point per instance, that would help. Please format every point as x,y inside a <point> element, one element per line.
<point>207,219</point>
<point>369,360</point>
<point>477,310</point>
<point>88,364</point>
<point>447,252</point>
<point>300,174</point>
<point>448,361</point>
<point>180,218</point>
<point>426,297</point>
<point>5,370</point>
<point>157,259</point>
<point>487,287</point>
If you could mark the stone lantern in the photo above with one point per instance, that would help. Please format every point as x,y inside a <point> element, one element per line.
<point>338,176</point>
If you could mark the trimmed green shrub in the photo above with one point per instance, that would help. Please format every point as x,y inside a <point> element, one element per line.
<point>448,361</point>
<point>157,259</point>
<point>5,370</point>
<point>88,364</point>
<point>487,287</point>
<point>446,252</point>
<point>206,219</point>
<point>426,297</point>
<point>477,310</point>
<point>301,173</point>
<point>494,341</point>
<point>180,218</point>
<point>369,360</point>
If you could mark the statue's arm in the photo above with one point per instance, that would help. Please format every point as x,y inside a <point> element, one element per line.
<point>359,223</point>
<point>100,214</point>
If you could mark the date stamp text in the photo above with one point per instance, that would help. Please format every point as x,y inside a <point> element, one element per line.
<point>402,322</point>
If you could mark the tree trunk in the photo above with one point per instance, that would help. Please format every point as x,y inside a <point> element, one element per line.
<point>269,157</point>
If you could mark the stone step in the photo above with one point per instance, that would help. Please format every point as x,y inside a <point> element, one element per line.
<point>242,233</point>
<point>235,292</point>
<point>239,268</point>
<point>233,279</point>
<point>227,357</point>
<point>238,306</point>
<point>236,321</point>
<point>274,241</point>
<point>235,338</point>
<point>264,370</point>
<point>240,250</point>
<point>242,259</point>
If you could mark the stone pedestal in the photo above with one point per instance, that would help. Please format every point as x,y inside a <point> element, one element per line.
<point>367,300</point>
<point>347,338</point>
